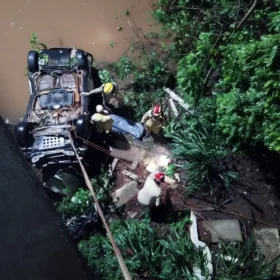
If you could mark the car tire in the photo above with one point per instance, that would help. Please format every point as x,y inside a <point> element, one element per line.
<point>90,57</point>
<point>83,63</point>
<point>23,134</point>
<point>82,126</point>
<point>32,61</point>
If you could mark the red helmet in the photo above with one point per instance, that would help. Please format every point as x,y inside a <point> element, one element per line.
<point>157,110</point>
<point>159,176</point>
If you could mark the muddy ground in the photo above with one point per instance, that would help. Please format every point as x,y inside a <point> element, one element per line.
<point>253,199</point>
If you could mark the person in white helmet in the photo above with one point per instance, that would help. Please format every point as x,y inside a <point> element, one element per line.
<point>150,195</point>
<point>102,120</point>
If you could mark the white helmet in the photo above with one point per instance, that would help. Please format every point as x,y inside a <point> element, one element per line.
<point>99,108</point>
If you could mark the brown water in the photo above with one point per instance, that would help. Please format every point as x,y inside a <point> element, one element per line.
<point>88,24</point>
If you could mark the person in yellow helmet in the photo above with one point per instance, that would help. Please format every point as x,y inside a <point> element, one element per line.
<point>110,94</point>
<point>102,120</point>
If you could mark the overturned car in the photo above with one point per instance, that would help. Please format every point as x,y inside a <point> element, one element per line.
<point>56,78</point>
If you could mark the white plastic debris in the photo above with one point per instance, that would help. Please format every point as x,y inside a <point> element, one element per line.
<point>199,244</point>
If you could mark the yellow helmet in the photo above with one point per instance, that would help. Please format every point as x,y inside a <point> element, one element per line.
<point>109,88</point>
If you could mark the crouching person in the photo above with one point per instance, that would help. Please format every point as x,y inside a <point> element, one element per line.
<point>102,120</point>
<point>150,195</point>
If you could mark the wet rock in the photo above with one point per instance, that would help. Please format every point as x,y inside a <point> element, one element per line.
<point>268,242</point>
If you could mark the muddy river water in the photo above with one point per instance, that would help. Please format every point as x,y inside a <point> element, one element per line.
<point>88,24</point>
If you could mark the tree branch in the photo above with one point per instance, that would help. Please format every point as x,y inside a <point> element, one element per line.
<point>247,15</point>
<point>237,28</point>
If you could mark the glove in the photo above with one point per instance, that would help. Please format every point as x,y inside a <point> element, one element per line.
<point>84,93</point>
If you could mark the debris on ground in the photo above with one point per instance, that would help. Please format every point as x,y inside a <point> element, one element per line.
<point>134,165</point>
<point>223,230</point>
<point>113,165</point>
<point>125,193</point>
<point>200,244</point>
<point>177,177</point>
<point>130,174</point>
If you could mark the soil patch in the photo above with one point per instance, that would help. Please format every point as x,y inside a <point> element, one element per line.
<point>171,201</point>
<point>252,200</point>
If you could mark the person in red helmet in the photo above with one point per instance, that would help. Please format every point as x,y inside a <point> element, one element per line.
<point>150,195</point>
<point>153,120</point>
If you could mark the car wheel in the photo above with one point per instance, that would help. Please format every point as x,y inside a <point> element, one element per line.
<point>90,57</point>
<point>82,126</point>
<point>82,60</point>
<point>32,61</point>
<point>23,134</point>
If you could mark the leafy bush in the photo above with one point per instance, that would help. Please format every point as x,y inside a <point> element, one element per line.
<point>184,21</point>
<point>152,74</point>
<point>146,252</point>
<point>149,254</point>
<point>248,105</point>
<point>206,160</point>
<point>242,262</point>
<point>176,247</point>
<point>80,203</point>
<point>191,69</point>
<point>170,170</point>
<point>149,78</point>
<point>105,76</point>
<point>103,187</point>
<point>124,67</point>
<point>240,116</point>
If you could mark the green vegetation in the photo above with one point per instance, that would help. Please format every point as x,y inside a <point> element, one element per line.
<point>35,44</point>
<point>242,262</point>
<point>81,203</point>
<point>147,253</point>
<point>223,60</point>
<point>105,76</point>
<point>170,170</point>
<point>205,160</point>
<point>150,254</point>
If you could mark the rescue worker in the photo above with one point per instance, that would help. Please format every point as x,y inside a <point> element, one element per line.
<point>102,120</point>
<point>150,195</point>
<point>110,94</point>
<point>153,120</point>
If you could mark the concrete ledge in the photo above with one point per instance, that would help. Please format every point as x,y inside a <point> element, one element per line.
<point>34,243</point>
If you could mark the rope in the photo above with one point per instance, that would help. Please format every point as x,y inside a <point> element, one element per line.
<point>114,245</point>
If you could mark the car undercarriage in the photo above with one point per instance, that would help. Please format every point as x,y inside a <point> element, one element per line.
<point>55,107</point>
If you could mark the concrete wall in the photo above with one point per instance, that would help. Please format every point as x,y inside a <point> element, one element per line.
<point>34,244</point>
